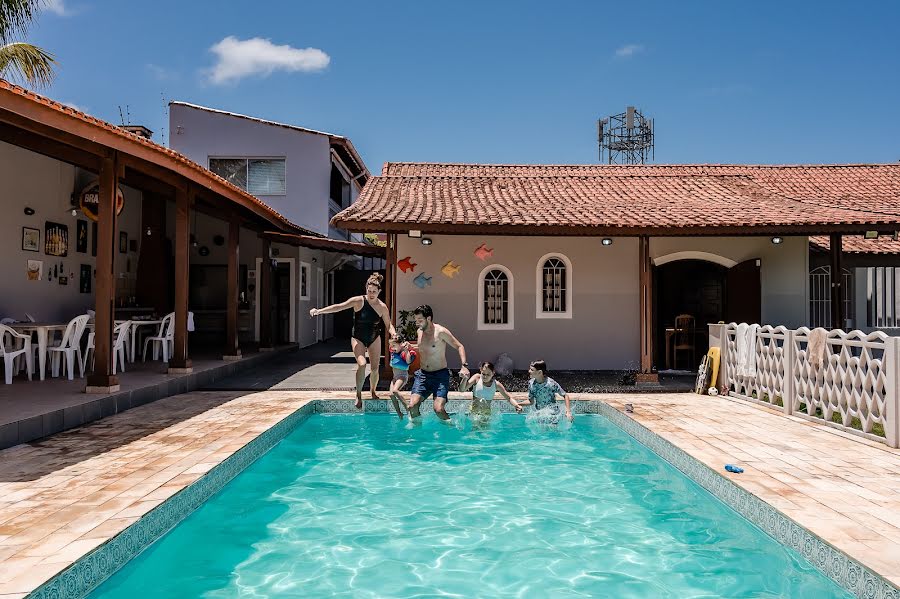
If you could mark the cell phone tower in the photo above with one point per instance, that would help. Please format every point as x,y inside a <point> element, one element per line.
<point>626,138</point>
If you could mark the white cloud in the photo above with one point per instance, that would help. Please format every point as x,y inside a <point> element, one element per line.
<point>237,59</point>
<point>629,50</point>
<point>57,7</point>
<point>160,73</point>
<point>74,106</point>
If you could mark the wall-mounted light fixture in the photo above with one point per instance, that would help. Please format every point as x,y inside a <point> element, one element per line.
<point>871,235</point>
<point>426,241</point>
<point>777,240</point>
<point>415,234</point>
<point>149,232</point>
<point>606,241</point>
<point>29,211</point>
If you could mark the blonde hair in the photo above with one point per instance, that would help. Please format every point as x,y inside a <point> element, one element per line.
<point>375,279</point>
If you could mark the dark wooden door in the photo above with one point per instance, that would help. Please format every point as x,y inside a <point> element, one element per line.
<point>743,293</point>
<point>281,306</point>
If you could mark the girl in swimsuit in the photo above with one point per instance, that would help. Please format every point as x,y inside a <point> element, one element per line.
<point>485,386</point>
<point>370,316</point>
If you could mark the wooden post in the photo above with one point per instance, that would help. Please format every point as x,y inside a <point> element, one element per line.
<point>180,363</point>
<point>646,375</point>
<point>265,298</point>
<point>232,349</point>
<point>389,298</point>
<point>837,283</point>
<point>102,380</point>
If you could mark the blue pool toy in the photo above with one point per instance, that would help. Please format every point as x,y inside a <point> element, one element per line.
<point>733,468</point>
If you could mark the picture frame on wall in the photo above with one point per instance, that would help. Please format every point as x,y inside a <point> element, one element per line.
<point>31,239</point>
<point>84,281</point>
<point>81,236</point>
<point>56,239</point>
<point>123,242</point>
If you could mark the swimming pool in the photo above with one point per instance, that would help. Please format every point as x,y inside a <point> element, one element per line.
<point>361,506</point>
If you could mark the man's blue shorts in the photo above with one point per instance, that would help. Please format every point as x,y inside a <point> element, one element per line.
<point>435,383</point>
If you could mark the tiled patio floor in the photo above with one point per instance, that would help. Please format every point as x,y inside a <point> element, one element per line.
<point>61,497</point>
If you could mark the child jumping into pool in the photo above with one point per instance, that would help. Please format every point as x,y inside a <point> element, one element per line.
<point>543,390</point>
<point>402,355</point>
<point>486,385</point>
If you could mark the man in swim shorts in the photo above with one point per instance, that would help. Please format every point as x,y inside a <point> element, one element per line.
<point>433,376</point>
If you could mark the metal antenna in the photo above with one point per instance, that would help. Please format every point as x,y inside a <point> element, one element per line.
<point>626,138</point>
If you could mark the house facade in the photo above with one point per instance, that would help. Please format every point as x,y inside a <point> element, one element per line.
<point>306,175</point>
<point>595,267</point>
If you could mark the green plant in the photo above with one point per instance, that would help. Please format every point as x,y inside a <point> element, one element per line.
<point>406,326</point>
<point>19,60</point>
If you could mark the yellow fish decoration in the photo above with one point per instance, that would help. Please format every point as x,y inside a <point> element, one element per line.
<point>450,269</point>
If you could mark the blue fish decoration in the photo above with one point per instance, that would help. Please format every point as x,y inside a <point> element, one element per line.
<point>422,281</point>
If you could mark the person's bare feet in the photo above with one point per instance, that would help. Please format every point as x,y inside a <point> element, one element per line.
<point>375,395</point>
<point>359,399</point>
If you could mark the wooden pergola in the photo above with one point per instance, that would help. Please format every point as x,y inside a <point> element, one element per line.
<point>118,157</point>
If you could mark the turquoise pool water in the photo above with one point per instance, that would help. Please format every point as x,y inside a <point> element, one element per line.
<point>360,506</point>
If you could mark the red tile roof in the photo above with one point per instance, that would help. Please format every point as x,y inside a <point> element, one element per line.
<point>331,245</point>
<point>164,156</point>
<point>856,245</point>
<point>602,199</point>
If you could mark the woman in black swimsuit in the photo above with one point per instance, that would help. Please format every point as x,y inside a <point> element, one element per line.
<point>370,316</point>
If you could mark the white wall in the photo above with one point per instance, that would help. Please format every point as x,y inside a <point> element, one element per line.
<point>46,185</point>
<point>199,134</point>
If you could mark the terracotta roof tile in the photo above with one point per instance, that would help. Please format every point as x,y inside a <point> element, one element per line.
<point>166,154</point>
<point>856,245</point>
<point>673,199</point>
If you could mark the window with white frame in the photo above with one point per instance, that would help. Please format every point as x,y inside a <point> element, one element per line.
<point>259,176</point>
<point>495,298</point>
<point>304,280</point>
<point>554,287</point>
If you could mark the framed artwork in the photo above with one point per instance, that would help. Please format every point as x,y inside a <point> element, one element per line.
<point>63,280</point>
<point>31,239</point>
<point>34,270</point>
<point>123,242</point>
<point>56,239</point>
<point>84,279</point>
<point>81,237</point>
<point>93,239</point>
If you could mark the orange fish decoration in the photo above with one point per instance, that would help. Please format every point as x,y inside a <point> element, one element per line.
<point>482,252</point>
<point>407,265</point>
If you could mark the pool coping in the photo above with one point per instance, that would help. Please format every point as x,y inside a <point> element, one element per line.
<point>92,569</point>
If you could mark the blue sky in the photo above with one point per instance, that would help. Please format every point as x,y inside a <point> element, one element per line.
<point>503,82</point>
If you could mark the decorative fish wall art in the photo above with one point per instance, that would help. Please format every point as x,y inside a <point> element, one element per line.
<point>407,265</point>
<point>421,281</point>
<point>482,252</point>
<point>450,269</point>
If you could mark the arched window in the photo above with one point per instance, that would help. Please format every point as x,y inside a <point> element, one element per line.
<point>495,298</point>
<point>554,287</point>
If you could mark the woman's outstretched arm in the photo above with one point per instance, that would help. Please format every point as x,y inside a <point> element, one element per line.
<point>350,303</point>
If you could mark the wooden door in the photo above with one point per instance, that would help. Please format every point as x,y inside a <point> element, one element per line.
<point>743,293</point>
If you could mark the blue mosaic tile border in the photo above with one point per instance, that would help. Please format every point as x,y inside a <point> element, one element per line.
<point>848,573</point>
<point>86,574</point>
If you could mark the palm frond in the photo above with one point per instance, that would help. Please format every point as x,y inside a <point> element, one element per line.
<point>27,63</point>
<point>16,16</point>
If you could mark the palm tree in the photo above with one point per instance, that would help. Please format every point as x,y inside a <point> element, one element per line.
<point>19,60</point>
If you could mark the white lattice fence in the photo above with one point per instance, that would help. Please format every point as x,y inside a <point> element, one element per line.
<point>767,386</point>
<point>856,387</point>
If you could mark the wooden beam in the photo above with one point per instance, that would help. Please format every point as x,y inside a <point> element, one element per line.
<point>645,276</point>
<point>102,380</point>
<point>180,362</point>
<point>265,297</point>
<point>48,147</point>
<point>837,283</point>
<point>232,350</point>
<point>389,278</point>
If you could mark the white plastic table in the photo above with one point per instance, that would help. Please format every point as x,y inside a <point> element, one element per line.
<point>43,330</point>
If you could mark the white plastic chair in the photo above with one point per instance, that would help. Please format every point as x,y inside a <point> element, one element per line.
<point>120,345</point>
<point>9,349</point>
<point>164,339</point>
<point>70,347</point>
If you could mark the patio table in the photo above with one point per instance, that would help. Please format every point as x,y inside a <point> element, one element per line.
<point>43,330</point>
<point>135,325</point>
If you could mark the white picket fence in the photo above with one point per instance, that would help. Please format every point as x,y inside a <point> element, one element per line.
<point>857,380</point>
